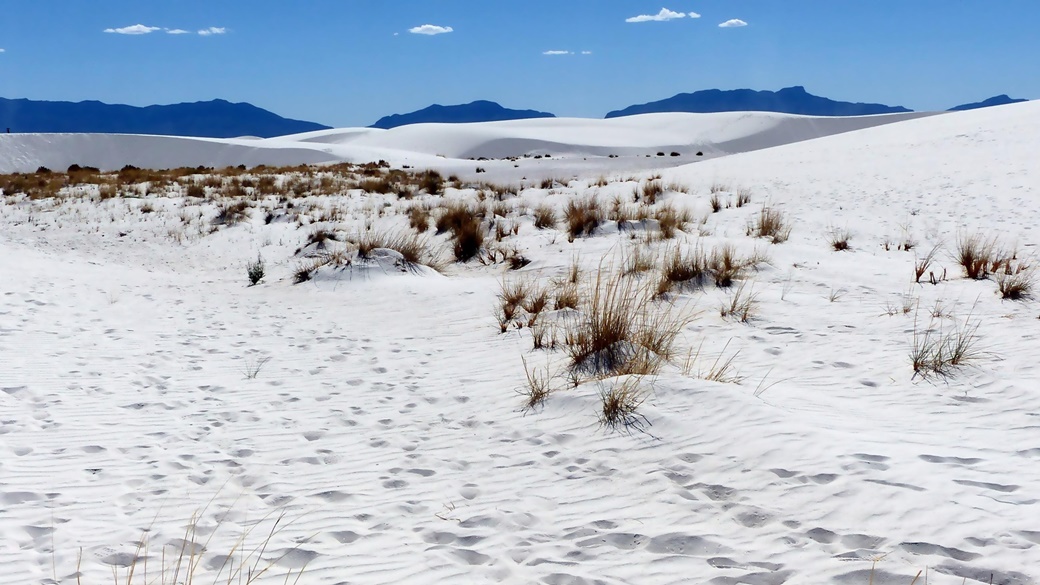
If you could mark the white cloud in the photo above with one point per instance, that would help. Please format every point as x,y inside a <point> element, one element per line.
<point>733,23</point>
<point>177,31</point>
<point>137,29</point>
<point>213,30</point>
<point>430,29</point>
<point>3,50</point>
<point>586,52</point>
<point>557,53</point>
<point>662,16</point>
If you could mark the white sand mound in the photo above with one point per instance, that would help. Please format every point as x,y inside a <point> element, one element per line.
<point>140,375</point>
<point>440,145</point>
<point>27,152</point>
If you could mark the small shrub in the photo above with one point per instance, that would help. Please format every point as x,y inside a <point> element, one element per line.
<point>255,270</point>
<point>743,197</point>
<point>196,191</point>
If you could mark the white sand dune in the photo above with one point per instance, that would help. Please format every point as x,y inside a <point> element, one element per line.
<point>387,423</point>
<point>440,145</point>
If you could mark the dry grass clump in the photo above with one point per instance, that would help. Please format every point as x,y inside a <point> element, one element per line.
<point>413,248</point>
<point>432,182</point>
<point>419,218</point>
<point>923,263</point>
<point>721,370</point>
<point>938,350</point>
<point>726,265</point>
<point>377,185</point>
<point>742,305</point>
<point>453,216</point>
<point>232,212</point>
<point>771,223</point>
<point>694,267</point>
<point>716,202</point>
<point>649,192</point>
<point>467,231</point>
<point>682,269</point>
<point>839,240</point>
<point>537,389</point>
<point>468,240</point>
<point>619,329</point>
<point>620,403</point>
<point>670,220</point>
<point>743,197</point>
<point>583,217</point>
<point>1015,283</point>
<point>544,217</point>
<point>979,257</point>
<point>718,187</point>
<point>252,559</point>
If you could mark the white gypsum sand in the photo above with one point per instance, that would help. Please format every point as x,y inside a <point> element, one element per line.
<point>380,409</point>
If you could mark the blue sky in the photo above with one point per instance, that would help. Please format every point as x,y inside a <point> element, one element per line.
<point>349,62</point>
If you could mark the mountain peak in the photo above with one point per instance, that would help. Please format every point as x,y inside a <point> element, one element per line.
<point>476,111</point>
<point>789,100</point>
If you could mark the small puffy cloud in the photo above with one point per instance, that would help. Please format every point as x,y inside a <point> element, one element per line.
<point>586,52</point>
<point>177,31</point>
<point>2,50</point>
<point>557,53</point>
<point>733,23</point>
<point>213,30</point>
<point>662,16</point>
<point>430,29</point>
<point>137,29</point>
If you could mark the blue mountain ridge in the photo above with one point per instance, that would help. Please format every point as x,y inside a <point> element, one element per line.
<point>209,119</point>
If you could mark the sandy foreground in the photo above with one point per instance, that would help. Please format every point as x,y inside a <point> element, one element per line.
<point>367,425</point>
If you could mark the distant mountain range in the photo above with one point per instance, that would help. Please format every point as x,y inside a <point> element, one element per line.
<point>212,119</point>
<point>1000,100</point>
<point>478,111</point>
<point>790,100</point>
